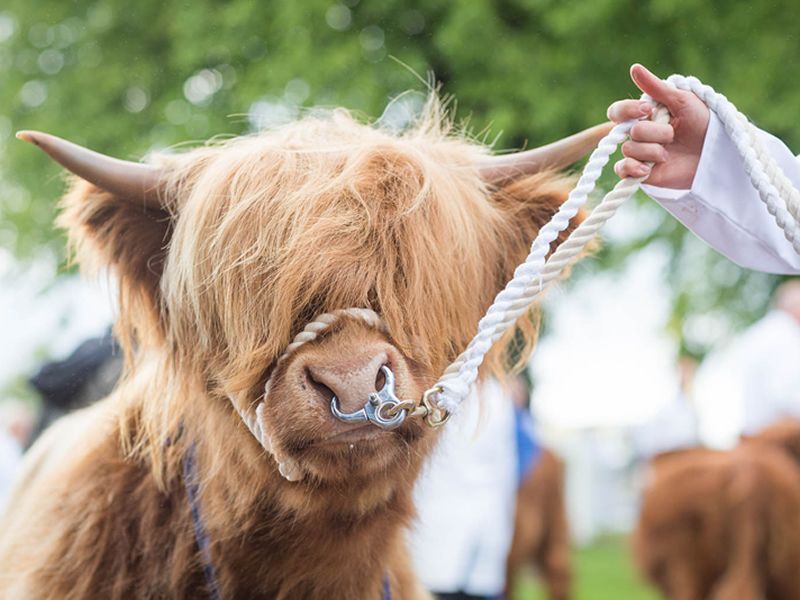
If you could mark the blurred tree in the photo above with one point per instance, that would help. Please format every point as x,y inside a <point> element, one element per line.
<point>128,77</point>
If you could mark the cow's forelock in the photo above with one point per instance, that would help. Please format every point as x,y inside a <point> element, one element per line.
<point>328,214</point>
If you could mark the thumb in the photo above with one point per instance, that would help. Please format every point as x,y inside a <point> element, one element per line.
<point>657,89</point>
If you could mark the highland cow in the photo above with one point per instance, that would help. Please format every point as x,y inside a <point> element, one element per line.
<point>541,529</point>
<point>725,525</point>
<point>224,253</point>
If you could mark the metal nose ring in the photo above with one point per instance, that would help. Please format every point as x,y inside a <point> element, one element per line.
<point>378,408</point>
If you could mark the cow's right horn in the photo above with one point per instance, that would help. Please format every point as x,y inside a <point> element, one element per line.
<point>136,182</point>
<point>557,155</point>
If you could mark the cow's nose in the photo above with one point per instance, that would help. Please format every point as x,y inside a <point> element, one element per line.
<point>350,378</point>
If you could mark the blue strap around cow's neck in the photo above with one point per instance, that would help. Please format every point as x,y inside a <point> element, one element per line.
<point>387,592</point>
<point>201,536</point>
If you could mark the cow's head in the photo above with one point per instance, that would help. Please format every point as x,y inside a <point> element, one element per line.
<point>225,252</point>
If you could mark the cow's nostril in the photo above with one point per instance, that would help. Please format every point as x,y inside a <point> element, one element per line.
<point>380,379</point>
<point>323,389</point>
<point>351,378</point>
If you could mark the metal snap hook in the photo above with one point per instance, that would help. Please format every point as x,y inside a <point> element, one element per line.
<point>377,409</point>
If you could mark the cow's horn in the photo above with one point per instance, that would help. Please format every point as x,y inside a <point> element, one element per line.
<point>557,155</point>
<point>133,181</point>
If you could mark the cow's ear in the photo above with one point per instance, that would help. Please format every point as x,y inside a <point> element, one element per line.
<point>116,217</point>
<point>109,232</point>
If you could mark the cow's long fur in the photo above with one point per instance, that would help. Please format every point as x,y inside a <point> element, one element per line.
<point>257,235</point>
<point>725,525</point>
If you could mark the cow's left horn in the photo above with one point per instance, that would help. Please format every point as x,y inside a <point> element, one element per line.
<point>137,182</point>
<point>557,155</point>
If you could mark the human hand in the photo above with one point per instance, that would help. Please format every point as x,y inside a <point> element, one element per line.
<point>674,148</point>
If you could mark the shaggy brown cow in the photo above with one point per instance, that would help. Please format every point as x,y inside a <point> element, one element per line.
<point>725,525</point>
<point>223,254</point>
<point>541,529</point>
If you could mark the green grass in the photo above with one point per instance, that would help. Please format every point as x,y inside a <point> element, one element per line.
<point>602,571</point>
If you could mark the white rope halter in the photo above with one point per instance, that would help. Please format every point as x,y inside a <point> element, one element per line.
<point>776,191</point>
<point>782,201</point>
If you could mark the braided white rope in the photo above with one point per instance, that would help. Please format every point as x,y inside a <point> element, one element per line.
<point>255,422</point>
<point>776,191</point>
<point>530,278</point>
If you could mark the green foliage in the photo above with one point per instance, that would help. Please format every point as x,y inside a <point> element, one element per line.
<point>128,77</point>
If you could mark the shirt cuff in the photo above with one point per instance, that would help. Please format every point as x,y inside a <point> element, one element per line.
<point>723,208</point>
<point>703,175</point>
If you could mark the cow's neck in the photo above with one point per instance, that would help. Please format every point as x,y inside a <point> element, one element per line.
<point>284,538</point>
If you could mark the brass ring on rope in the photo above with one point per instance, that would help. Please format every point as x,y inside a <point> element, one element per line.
<point>435,416</point>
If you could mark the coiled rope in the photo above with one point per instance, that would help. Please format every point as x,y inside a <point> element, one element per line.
<point>782,201</point>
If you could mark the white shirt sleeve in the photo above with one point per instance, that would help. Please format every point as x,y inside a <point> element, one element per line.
<point>724,209</point>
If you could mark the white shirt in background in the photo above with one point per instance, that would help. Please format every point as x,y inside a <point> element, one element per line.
<point>673,427</point>
<point>769,354</point>
<point>466,499</point>
<point>724,209</point>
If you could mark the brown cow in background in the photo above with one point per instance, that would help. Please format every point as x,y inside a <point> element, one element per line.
<point>725,525</point>
<point>541,529</point>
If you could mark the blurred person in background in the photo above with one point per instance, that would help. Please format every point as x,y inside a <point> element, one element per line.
<point>16,419</point>
<point>769,353</point>
<point>699,177</point>
<point>88,374</point>
<point>674,426</point>
<point>529,450</point>
<point>466,500</point>
<point>541,530</point>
